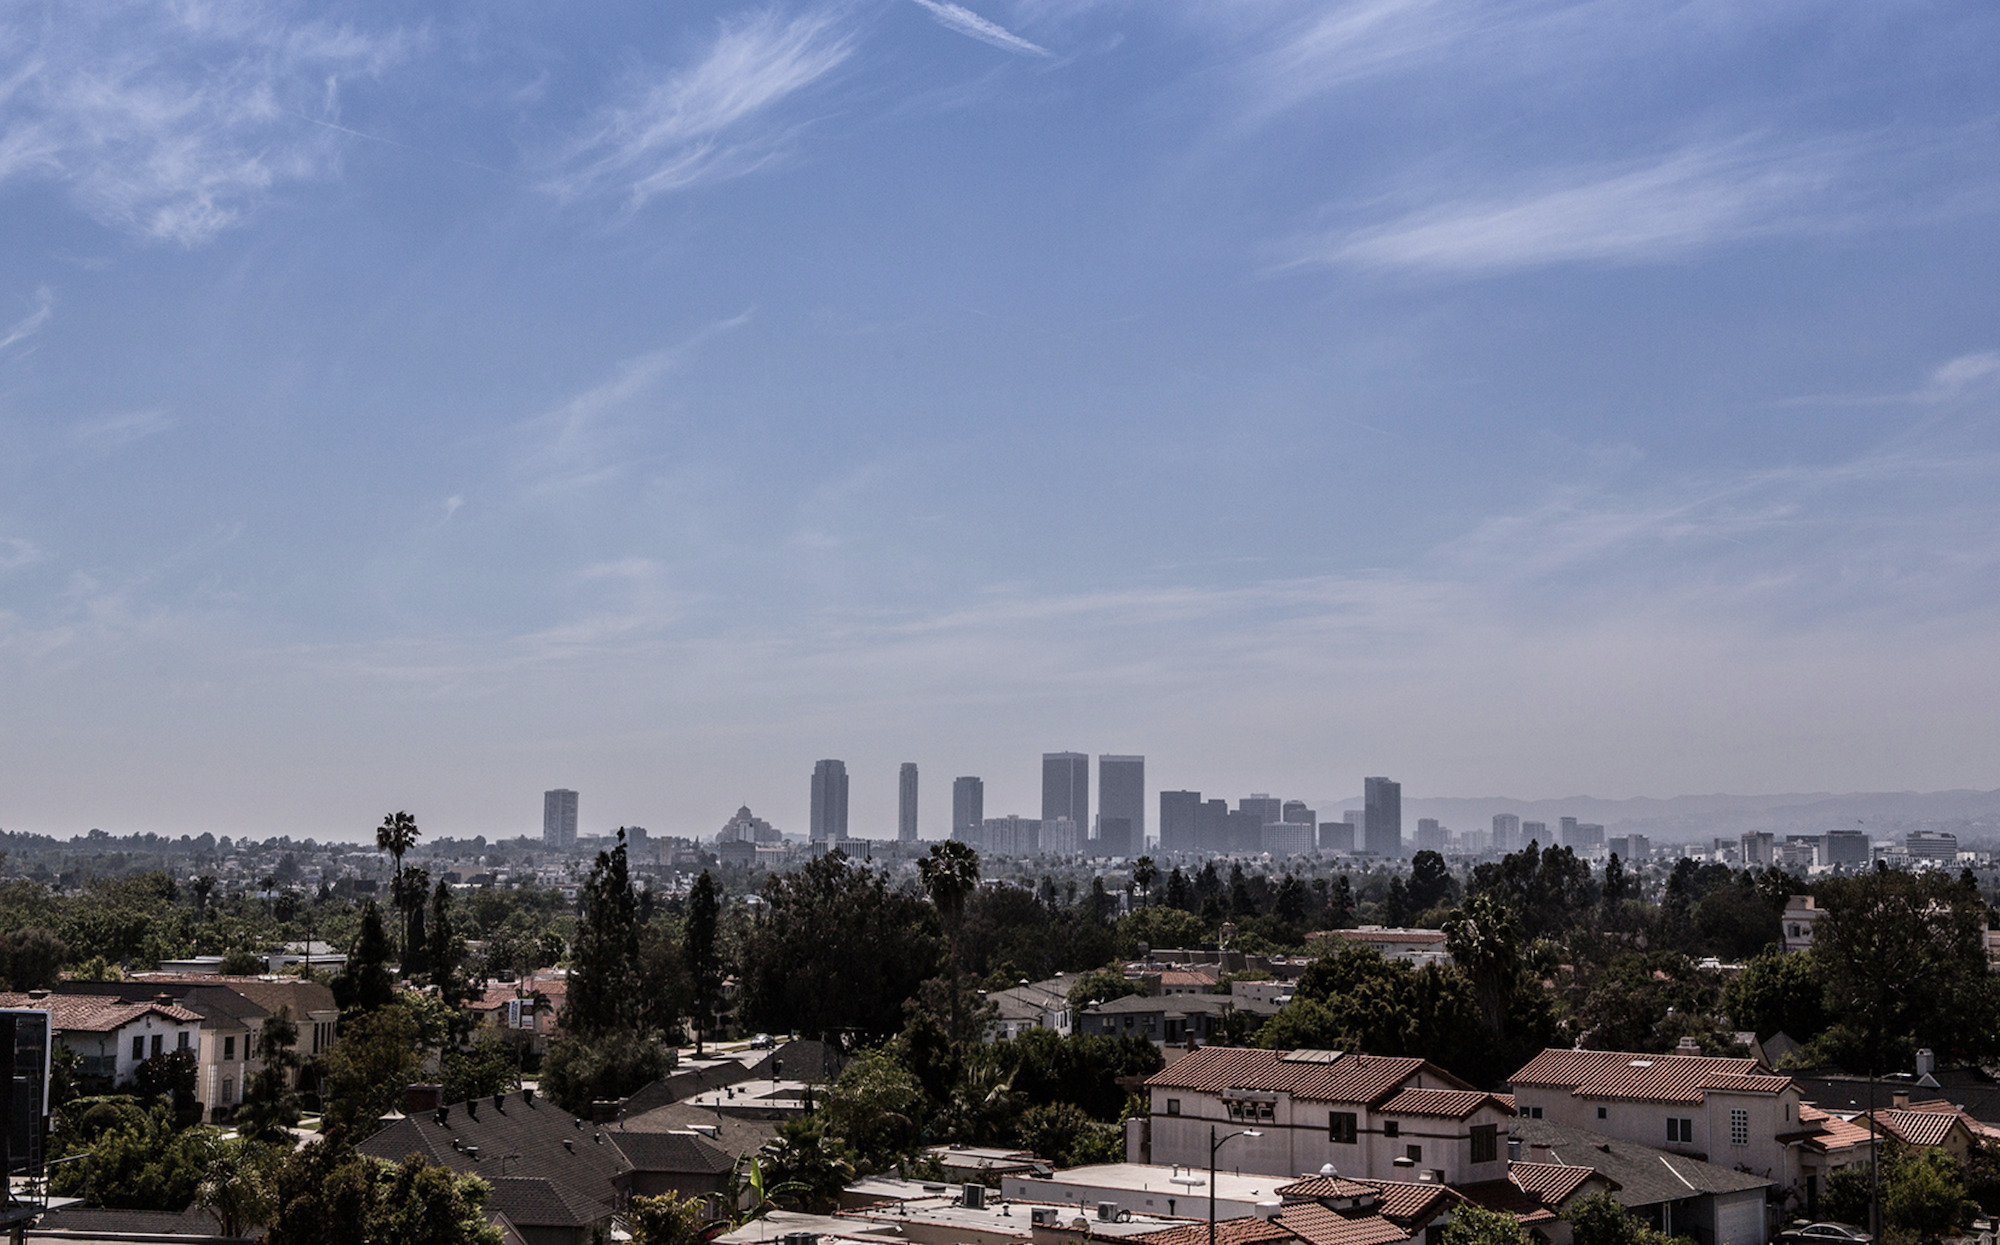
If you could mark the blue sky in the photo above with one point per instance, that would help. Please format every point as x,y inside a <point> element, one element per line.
<point>421,408</point>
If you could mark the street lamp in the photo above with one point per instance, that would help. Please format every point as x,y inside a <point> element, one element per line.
<point>1216,1143</point>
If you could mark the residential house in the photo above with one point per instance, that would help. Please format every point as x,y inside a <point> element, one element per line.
<point>1679,1195</point>
<point>1725,1110</point>
<point>111,1037</point>
<point>1366,1115</point>
<point>1018,1009</point>
<point>1417,946</point>
<point>1182,1020</point>
<point>1931,1125</point>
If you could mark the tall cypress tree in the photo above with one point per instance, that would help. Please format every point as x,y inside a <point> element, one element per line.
<point>704,965</point>
<point>603,984</point>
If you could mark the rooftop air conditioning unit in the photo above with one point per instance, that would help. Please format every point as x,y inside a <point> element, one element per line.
<point>975,1197</point>
<point>1043,1216</point>
<point>1107,1212</point>
<point>1270,1210</point>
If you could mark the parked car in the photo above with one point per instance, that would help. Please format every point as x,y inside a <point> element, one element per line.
<point>763,1041</point>
<point>1824,1234</point>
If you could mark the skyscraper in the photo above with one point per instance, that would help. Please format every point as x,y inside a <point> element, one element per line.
<point>1180,821</point>
<point>1430,835</point>
<point>1506,832</point>
<point>1264,808</point>
<point>906,803</point>
<point>559,818</point>
<point>1121,796</point>
<point>1066,787</point>
<point>968,809</point>
<point>1382,833</point>
<point>829,802</point>
<point>1536,832</point>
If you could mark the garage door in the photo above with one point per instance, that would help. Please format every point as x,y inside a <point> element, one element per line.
<point>1739,1218</point>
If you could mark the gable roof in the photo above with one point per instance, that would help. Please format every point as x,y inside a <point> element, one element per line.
<point>1249,1230</point>
<point>1321,1076</point>
<point>1315,1188</point>
<point>218,1006</point>
<point>1929,1125</point>
<point>1639,1175</point>
<point>678,1153</point>
<point>1551,1183</point>
<point>734,1134</point>
<point>522,1140</point>
<point>1646,1078</point>
<point>538,1202</point>
<point>89,1013</point>
<point>1454,1104</point>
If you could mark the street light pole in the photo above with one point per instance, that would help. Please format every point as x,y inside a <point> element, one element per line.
<point>1216,1143</point>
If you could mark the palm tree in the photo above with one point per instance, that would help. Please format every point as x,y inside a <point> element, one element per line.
<point>1144,871</point>
<point>949,874</point>
<point>396,835</point>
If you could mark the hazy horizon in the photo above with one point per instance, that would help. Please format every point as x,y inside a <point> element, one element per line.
<point>424,411</point>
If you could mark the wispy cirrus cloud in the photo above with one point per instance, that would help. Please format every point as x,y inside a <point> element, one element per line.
<point>703,122</point>
<point>103,436</point>
<point>1625,213</point>
<point>30,324</point>
<point>172,121</point>
<point>966,22</point>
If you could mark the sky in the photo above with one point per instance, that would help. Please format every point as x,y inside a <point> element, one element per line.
<point>419,408</point>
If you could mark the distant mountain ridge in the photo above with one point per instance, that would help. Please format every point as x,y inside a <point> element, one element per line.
<point>1691,818</point>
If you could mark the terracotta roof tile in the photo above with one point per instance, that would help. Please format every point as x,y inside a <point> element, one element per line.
<point>1318,1187</point>
<point>1915,1128</point>
<point>1316,1225</point>
<point>1246,1231</point>
<point>89,1013</point>
<point>1455,1104</point>
<point>1837,1135</point>
<point>1506,1196</point>
<point>1410,1202</point>
<point>1648,1078</point>
<point>1549,1183</point>
<point>1344,1078</point>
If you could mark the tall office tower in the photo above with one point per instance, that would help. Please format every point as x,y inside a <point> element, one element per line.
<point>1353,816</point>
<point>1066,787</point>
<point>1588,835</point>
<point>1266,809</point>
<point>1844,847</point>
<point>1382,829</point>
<point>1296,810</point>
<point>1506,832</point>
<point>1212,826</point>
<point>829,802</point>
<point>559,818</point>
<point>1121,795</point>
<point>1246,830</point>
<point>1567,827</point>
<point>906,803</point>
<point>1429,836</point>
<point>1337,836</point>
<point>968,809</point>
<point>1180,821</point>
<point>1536,832</point>
<point>1114,838</point>
<point>1758,848</point>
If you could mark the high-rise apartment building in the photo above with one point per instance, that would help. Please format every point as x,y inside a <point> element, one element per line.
<point>1536,832</point>
<point>1066,787</point>
<point>1263,807</point>
<point>1213,827</point>
<point>968,809</point>
<point>1430,836</point>
<point>1180,821</point>
<point>829,802</point>
<point>1121,796</point>
<point>906,803</point>
<point>1337,836</point>
<point>559,818</point>
<point>1296,810</point>
<point>1506,832</point>
<point>1844,847</point>
<point>1382,829</point>
<point>1115,838</point>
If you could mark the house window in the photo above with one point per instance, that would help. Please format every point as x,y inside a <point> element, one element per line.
<point>1485,1142</point>
<point>159,1044</point>
<point>1392,1128</point>
<point>1415,1153</point>
<point>1340,1128</point>
<point>1173,1106</point>
<point>228,1050</point>
<point>1739,1128</point>
<point>138,1049</point>
<point>1602,1112</point>
<point>181,1040</point>
<point>1680,1129</point>
<point>228,1090</point>
<point>1531,1113</point>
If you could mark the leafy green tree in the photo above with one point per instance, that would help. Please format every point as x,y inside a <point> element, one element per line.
<point>613,1063</point>
<point>447,949</point>
<point>365,985</point>
<point>1924,1193</point>
<point>1472,1226</point>
<point>603,992</point>
<point>877,1108</point>
<point>322,1193</point>
<point>665,1220</point>
<point>1102,986</point>
<point>1600,1220</point>
<point>170,1077</point>
<point>1903,960</point>
<point>950,873</point>
<point>1396,909</point>
<point>1043,1066</point>
<point>1180,893</point>
<point>1778,992</point>
<point>1548,888</point>
<point>1160,927</point>
<point>1354,999</point>
<point>808,1163</point>
<point>704,961</point>
<point>1144,873</point>
<point>379,1055</point>
<point>150,1163</point>
<point>1063,1134</point>
<point>31,959</point>
<point>270,1103</point>
<point>488,1068</point>
<point>1484,939</point>
<point>1431,882</point>
<point>240,1186</point>
<point>420,1203</point>
<point>839,951</point>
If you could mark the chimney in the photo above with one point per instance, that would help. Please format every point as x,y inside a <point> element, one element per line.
<point>164,1000</point>
<point>443,1117</point>
<point>1268,1211</point>
<point>418,1099</point>
<point>500,1103</point>
<point>1688,1046</point>
<point>528,1096</point>
<point>1926,1061</point>
<point>1513,1149</point>
<point>1901,1098</point>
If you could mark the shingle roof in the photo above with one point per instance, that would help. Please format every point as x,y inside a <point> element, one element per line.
<point>1640,1175</point>
<point>1456,1104</point>
<point>1373,936</point>
<point>538,1202</point>
<point>735,1135</point>
<point>1247,1231</point>
<point>1647,1078</point>
<point>680,1153</point>
<point>524,1141</point>
<point>87,1013</point>
<point>1341,1078</point>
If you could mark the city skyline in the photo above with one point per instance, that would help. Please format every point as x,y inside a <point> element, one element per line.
<point>656,399</point>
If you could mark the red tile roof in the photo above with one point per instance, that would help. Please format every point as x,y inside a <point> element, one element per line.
<point>1246,1231</point>
<point>1507,1197</point>
<point>1836,1135</point>
<point>1373,936</point>
<point>1346,1078</point>
<point>1646,1078</point>
<point>1410,1202</point>
<point>1916,1128</point>
<point>1550,1183</point>
<point>1455,1104</point>
<point>90,1013</point>
<point>1316,1225</point>
<point>1318,1187</point>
